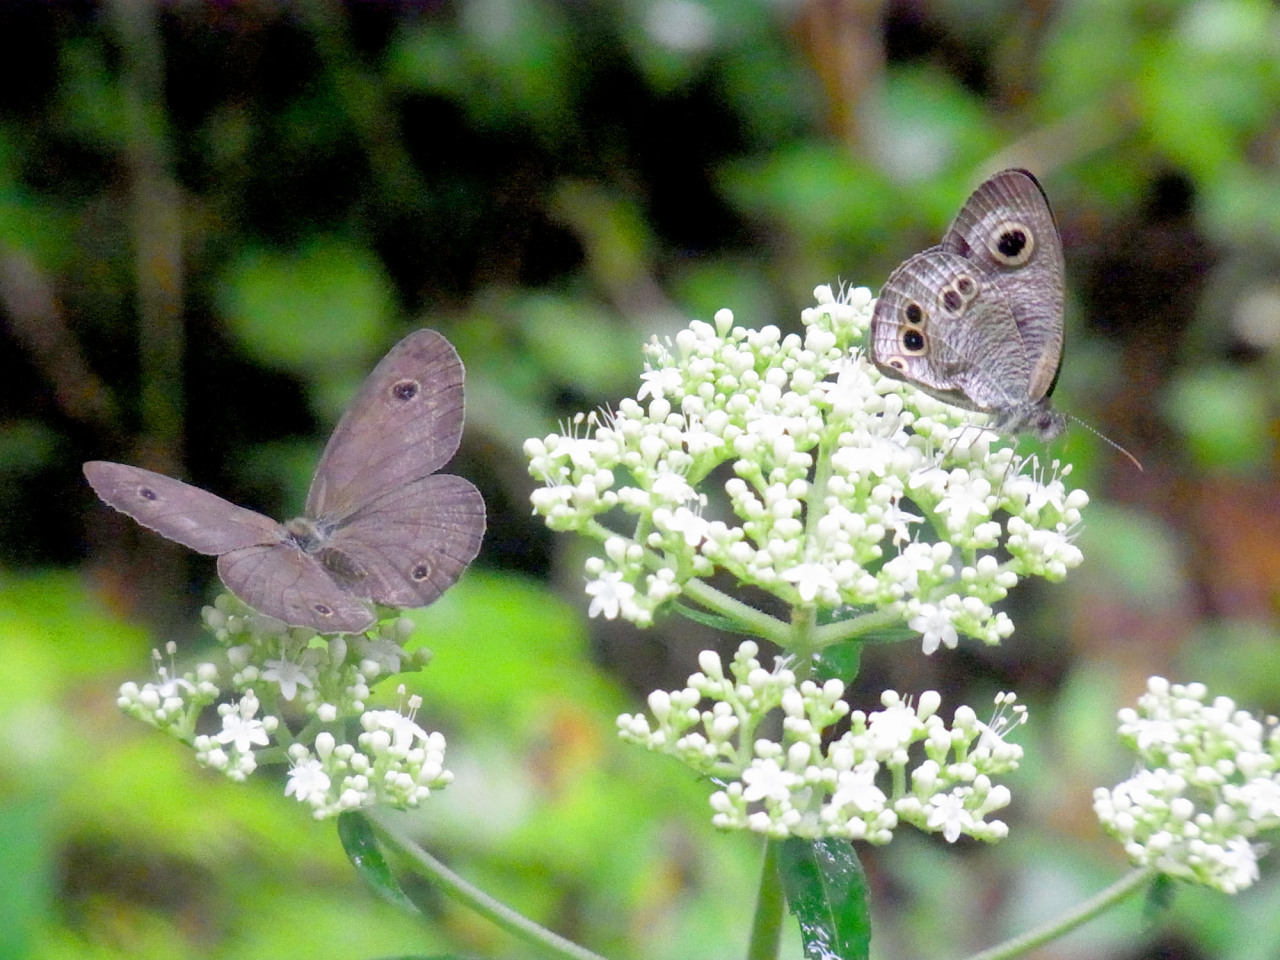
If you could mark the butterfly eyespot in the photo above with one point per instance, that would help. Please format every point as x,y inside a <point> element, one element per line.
<point>1012,243</point>
<point>420,572</point>
<point>405,390</point>
<point>897,363</point>
<point>966,286</point>
<point>913,341</point>
<point>146,493</point>
<point>913,313</point>
<point>323,609</point>
<point>952,301</point>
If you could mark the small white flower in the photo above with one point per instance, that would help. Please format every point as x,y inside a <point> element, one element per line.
<point>811,580</point>
<point>897,520</point>
<point>240,729</point>
<point>948,814</point>
<point>857,790</point>
<point>609,592</point>
<point>288,676</point>
<point>659,383</point>
<point>307,780</point>
<point>765,780</point>
<point>935,627</point>
<point>404,733</point>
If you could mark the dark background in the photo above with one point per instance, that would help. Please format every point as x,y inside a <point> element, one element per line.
<point>215,217</point>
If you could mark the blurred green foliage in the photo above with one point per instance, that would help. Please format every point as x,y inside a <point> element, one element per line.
<point>215,217</point>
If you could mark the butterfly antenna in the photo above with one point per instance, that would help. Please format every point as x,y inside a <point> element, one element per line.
<point>1102,436</point>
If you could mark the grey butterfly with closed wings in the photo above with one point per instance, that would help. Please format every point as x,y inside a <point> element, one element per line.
<point>380,524</point>
<point>977,320</point>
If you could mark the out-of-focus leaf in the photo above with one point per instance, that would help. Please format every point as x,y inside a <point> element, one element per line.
<point>827,892</point>
<point>318,308</point>
<point>1131,556</point>
<point>556,328</point>
<point>1210,83</point>
<point>1223,413</point>
<point>814,189</point>
<point>26,446</point>
<point>505,60</point>
<point>27,856</point>
<point>927,125</point>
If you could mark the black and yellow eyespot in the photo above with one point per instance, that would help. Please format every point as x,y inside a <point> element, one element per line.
<point>913,313</point>
<point>1012,243</point>
<point>913,342</point>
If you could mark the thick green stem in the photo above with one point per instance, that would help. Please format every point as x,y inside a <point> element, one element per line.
<point>752,620</point>
<point>1124,887</point>
<point>854,627</point>
<point>766,927</point>
<point>473,897</point>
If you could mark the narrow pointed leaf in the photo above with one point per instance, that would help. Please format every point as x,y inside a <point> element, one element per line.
<point>713,620</point>
<point>365,854</point>
<point>827,892</point>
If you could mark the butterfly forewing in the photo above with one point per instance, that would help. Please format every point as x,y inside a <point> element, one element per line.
<point>410,545</point>
<point>185,514</point>
<point>405,423</point>
<point>977,320</point>
<point>284,582</point>
<point>1005,212</point>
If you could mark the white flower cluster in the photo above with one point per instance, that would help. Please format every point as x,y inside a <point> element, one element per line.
<point>1209,783</point>
<point>395,755</point>
<point>272,665</point>
<point>860,785</point>
<point>836,471</point>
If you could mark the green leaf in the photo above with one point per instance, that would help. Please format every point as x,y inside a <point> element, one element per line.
<point>840,661</point>
<point>1159,900</point>
<point>827,892</point>
<point>365,854</point>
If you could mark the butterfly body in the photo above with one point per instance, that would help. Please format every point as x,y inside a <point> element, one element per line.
<point>977,320</point>
<point>380,524</point>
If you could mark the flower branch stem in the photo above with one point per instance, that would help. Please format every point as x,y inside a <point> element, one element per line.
<point>1104,900</point>
<point>473,897</point>
<point>754,621</point>
<point>855,627</point>
<point>766,927</point>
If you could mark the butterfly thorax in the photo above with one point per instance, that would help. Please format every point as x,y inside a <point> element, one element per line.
<point>314,537</point>
<point>307,534</point>
<point>1037,418</point>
